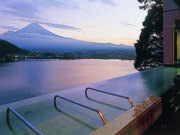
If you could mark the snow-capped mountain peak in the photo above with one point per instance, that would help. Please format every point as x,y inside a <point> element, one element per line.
<point>35,28</point>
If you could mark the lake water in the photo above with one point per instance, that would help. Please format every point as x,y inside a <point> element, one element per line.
<point>25,79</point>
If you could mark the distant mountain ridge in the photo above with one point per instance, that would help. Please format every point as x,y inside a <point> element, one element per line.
<point>35,37</point>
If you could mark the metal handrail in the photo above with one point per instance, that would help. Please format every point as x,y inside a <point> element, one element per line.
<point>27,123</point>
<point>85,106</point>
<point>129,99</point>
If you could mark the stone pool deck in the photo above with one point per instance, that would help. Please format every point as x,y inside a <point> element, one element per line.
<point>72,119</point>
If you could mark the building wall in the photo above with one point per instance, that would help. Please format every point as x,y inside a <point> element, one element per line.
<point>178,42</point>
<point>168,21</point>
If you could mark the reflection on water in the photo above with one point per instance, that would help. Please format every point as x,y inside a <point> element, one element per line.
<point>20,80</point>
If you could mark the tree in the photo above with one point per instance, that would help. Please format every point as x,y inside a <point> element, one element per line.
<point>177,2</point>
<point>149,47</point>
<point>9,48</point>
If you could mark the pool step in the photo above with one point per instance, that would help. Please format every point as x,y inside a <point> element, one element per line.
<point>27,123</point>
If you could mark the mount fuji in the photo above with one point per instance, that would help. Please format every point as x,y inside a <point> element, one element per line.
<point>35,37</point>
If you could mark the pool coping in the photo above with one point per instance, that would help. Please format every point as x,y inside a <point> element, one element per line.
<point>135,121</point>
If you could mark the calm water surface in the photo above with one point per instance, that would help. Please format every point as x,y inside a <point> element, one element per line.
<point>20,80</point>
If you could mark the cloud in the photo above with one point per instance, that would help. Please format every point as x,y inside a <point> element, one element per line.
<point>8,27</point>
<point>128,25</point>
<point>31,9</point>
<point>55,25</point>
<point>19,8</point>
<point>109,2</point>
<point>62,3</point>
<point>20,14</point>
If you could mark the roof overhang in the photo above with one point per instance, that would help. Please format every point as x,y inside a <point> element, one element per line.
<point>177,2</point>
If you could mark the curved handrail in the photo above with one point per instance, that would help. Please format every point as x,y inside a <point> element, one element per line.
<point>85,106</point>
<point>27,123</point>
<point>109,93</point>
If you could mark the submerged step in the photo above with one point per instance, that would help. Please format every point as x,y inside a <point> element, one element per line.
<point>136,120</point>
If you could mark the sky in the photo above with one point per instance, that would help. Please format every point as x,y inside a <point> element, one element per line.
<point>103,21</point>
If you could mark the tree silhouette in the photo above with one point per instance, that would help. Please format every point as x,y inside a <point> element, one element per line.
<point>9,48</point>
<point>149,47</point>
<point>177,2</point>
